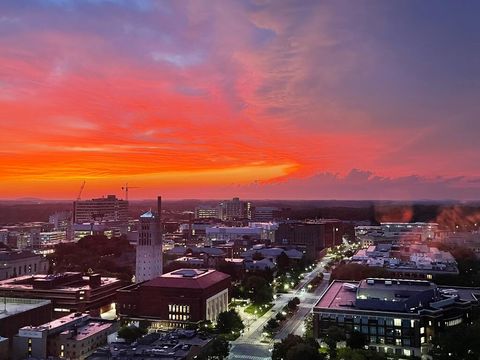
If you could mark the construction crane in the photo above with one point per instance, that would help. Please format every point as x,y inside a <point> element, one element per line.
<point>126,188</point>
<point>81,190</point>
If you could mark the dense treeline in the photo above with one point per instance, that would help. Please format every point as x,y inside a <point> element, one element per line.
<point>97,254</point>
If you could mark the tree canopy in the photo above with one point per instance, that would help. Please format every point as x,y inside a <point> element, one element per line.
<point>296,347</point>
<point>229,321</point>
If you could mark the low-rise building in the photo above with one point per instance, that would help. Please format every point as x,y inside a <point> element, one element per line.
<point>397,316</point>
<point>16,313</point>
<point>69,292</point>
<point>177,344</point>
<point>176,298</point>
<point>74,336</point>
<point>16,262</point>
<point>415,261</point>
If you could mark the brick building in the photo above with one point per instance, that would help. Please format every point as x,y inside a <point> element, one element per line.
<point>176,298</point>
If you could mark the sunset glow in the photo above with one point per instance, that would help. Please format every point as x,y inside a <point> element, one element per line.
<point>207,99</point>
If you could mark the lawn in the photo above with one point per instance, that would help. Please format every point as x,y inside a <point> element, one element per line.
<point>258,310</point>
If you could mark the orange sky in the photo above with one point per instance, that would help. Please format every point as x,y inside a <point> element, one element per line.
<point>195,101</point>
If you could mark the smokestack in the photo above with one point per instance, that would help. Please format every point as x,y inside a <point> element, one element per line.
<point>159,219</point>
<point>159,207</point>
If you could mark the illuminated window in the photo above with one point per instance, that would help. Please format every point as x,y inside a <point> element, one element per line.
<point>397,322</point>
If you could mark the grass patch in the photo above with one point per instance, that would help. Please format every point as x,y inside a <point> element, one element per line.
<point>259,309</point>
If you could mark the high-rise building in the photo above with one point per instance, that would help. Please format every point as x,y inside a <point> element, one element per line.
<point>311,236</point>
<point>149,261</point>
<point>266,213</point>
<point>207,212</point>
<point>235,209</point>
<point>102,209</point>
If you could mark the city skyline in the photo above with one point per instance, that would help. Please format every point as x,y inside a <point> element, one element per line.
<point>257,99</point>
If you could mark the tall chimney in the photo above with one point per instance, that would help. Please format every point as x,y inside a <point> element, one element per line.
<point>159,219</point>
<point>159,207</point>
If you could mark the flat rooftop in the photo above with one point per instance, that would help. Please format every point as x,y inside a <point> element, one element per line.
<point>57,323</point>
<point>188,279</point>
<point>26,282</point>
<point>15,306</point>
<point>337,296</point>
<point>342,294</point>
<point>89,329</point>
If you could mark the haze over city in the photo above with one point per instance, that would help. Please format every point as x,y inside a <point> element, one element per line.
<point>259,99</point>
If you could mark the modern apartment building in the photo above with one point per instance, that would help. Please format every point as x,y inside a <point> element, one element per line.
<point>398,317</point>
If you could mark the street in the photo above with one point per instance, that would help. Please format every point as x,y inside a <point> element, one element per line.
<point>252,344</point>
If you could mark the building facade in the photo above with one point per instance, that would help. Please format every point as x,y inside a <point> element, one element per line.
<point>310,236</point>
<point>177,298</point>
<point>108,208</point>
<point>18,263</point>
<point>19,312</point>
<point>149,254</point>
<point>75,336</point>
<point>398,317</point>
<point>235,210</point>
<point>69,292</point>
<point>207,212</point>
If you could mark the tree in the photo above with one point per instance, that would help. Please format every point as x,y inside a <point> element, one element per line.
<point>280,317</point>
<point>281,349</point>
<point>271,326</point>
<point>131,333</point>
<point>283,263</point>
<point>333,336</point>
<point>458,342</point>
<point>357,340</point>
<point>217,349</point>
<point>229,321</point>
<point>359,354</point>
<point>303,351</point>
<point>357,272</point>
<point>259,291</point>
<point>293,304</point>
<point>308,323</point>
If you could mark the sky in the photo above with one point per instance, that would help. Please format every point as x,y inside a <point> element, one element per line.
<point>258,99</point>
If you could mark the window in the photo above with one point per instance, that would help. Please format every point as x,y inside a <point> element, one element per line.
<point>397,322</point>
<point>453,322</point>
<point>422,330</point>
